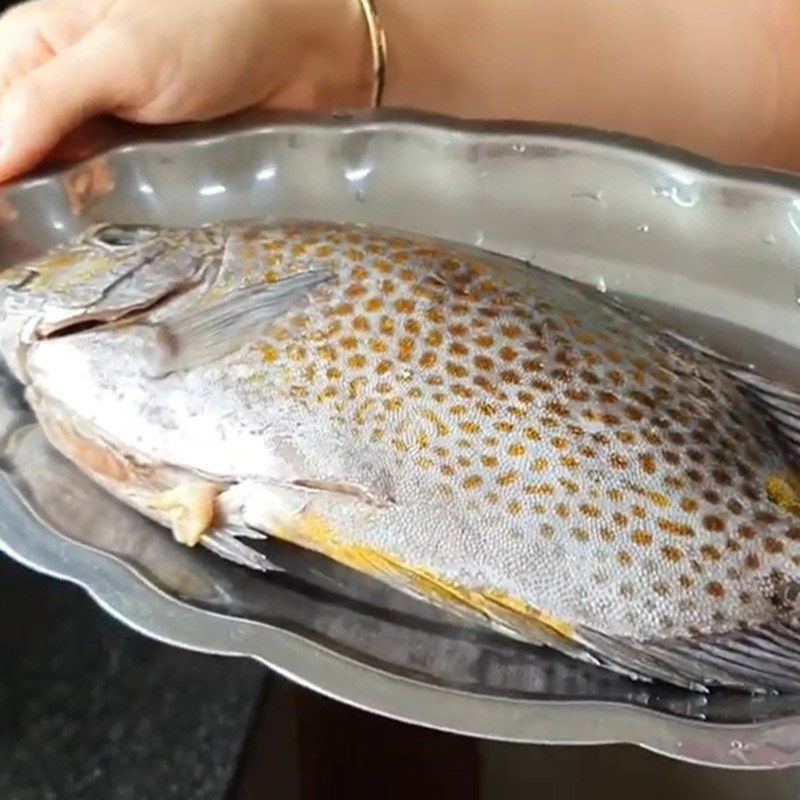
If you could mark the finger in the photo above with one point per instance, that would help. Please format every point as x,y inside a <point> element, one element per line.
<point>16,62</point>
<point>41,107</point>
<point>21,13</point>
<point>33,32</point>
<point>21,46</point>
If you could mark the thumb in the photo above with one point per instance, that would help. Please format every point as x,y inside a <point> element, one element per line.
<point>41,107</point>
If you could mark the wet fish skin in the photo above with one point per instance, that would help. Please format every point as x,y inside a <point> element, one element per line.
<point>481,433</point>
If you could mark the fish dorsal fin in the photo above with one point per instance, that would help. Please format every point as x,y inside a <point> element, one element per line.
<point>779,404</point>
<point>201,335</point>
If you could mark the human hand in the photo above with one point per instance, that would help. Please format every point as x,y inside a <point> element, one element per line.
<point>63,62</point>
<point>725,86</point>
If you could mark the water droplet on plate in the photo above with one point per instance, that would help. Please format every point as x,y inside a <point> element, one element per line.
<point>360,195</point>
<point>601,285</point>
<point>479,239</point>
<point>518,147</point>
<point>596,195</point>
<point>643,228</point>
<point>356,174</point>
<point>769,238</point>
<point>738,750</point>
<point>685,196</point>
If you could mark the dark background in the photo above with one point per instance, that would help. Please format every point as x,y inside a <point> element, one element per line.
<point>90,709</point>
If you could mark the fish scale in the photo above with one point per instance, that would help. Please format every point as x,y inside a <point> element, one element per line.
<point>480,432</point>
<point>529,432</point>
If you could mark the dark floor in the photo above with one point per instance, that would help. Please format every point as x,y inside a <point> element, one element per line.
<point>91,709</point>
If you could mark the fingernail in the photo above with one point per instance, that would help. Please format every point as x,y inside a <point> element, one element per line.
<point>4,159</point>
<point>4,138</point>
<point>5,144</point>
<point>6,130</point>
<point>7,153</point>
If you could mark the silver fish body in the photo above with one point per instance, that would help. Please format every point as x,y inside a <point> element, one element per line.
<point>473,430</point>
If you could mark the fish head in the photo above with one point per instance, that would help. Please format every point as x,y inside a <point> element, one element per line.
<point>106,273</point>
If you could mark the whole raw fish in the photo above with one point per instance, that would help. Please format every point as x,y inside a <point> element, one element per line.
<point>473,430</point>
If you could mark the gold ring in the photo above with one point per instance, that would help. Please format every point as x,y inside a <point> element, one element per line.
<point>377,37</point>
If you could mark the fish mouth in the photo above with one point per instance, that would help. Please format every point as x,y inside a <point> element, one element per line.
<point>96,319</point>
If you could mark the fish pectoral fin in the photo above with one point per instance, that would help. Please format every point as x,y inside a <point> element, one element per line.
<point>205,334</point>
<point>758,659</point>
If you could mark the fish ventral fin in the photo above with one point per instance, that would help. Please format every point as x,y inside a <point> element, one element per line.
<point>199,336</point>
<point>225,542</point>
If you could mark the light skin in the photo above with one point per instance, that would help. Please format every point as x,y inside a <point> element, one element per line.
<point>720,77</point>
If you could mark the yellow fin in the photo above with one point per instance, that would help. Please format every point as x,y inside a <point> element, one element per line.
<point>310,530</point>
<point>784,492</point>
<point>517,607</point>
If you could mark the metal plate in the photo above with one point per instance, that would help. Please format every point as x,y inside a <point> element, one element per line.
<point>713,250</point>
